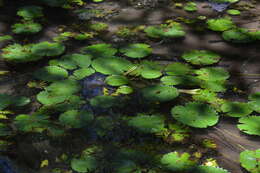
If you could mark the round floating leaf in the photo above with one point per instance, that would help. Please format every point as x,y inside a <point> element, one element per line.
<point>215,86</point>
<point>233,12</point>
<point>125,90</point>
<point>212,74</point>
<point>47,98</point>
<point>82,73</point>
<point>113,65</point>
<point>255,101</point>
<point>178,68</point>
<point>150,70</point>
<point>190,6</point>
<point>177,162</point>
<point>180,80</point>
<point>159,93</point>
<point>18,53</point>
<point>100,50</point>
<point>147,123</point>
<point>138,50</point>
<point>30,12</point>
<point>236,109</point>
<point>201,57</point>
<point>20,101</point>
<point>85,164</point>
<point>26,28</point>
<point>162,31</point>
<point>48,49</point>
<point>64,87</point>
<point>104,101</point>
<point>5,101</point>
<point>195,114</point>
<point>237,35</point>
<point>209,169</point>
<point>250,160</point>
<point>250,125</point>
<point>220,24</point>
<point>116,80</point>
<point>76,119</point>
<point>31,123</point>
<point>51,73</point>
<point>154,31</point>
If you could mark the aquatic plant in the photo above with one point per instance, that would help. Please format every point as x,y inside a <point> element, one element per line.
<point>30,12</point>
<point>150,69</point>
<point>201,57</point>
<point>100,50</point>
<point>177,68</point>
<point>220,24</point>
<point>237,35</point>
<point>47,49</point>
<point>84,164</point>
<point>137,50</point>
<point>250,125</point>
<point>26,28</point>
<point>236,109</point>
<point>209,169</point>
<point>116,80</point>
<point>212,74</point>
<point>75,118</point>
<point>165,31</point>
<point>51,73</point>
<point>195,114</point>
<point>250,160</point>
<point>190,6</point>
<point>254,101</point>
<point>9,100</point>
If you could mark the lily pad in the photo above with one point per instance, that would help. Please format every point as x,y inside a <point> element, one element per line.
<point>48,98</point>
<point>236,109</point>
<point>220,24</point>
<point>212,74</point>
<point>209,169</point>
<point>104,101</point>
<point>150,69</point>
<point>201,57</point>
<point>255,101</point>
<point>186,80</point>
<point>250,160</point>
<point>76,119</point>
<point>84,164</point>
<point>30,12</point>
<point>137,50</point>
<point>178,68</point>
<point>48,49</point>
<point>250,125</point>
<point>160,93</point>
<point>51,73</point>
<point>191,7</point>
<point>125,89</point>
<point>100,50</point>
<point>195,114</point>
<point>147,123</point>
<point>215,86</point>
<point>233,12</point>
<point>112,65</point>
<point>163,31</point>
<point>26,28</point>
<point>116,80</point>
<point>64,87</point>
<point>177,162</point>
<point>237,35</point>
<point>82,73</point>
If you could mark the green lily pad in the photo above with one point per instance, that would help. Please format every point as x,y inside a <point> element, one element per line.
<point>64,87</point>
<point>215,86</point>
<point>191,7</point>
<point>48,49</point>
<point>26,28</point>
<point>237,35</point>
<point>76,119</point>
<point>195,114</point>
<point>233,12</point>
<point>186,80</point>
<point>112,65</point>
<point>125,90</point>
<point>255,101</point>
<point>51,73</point>
<point>201,57</point>
<point>48,98</point>
<point>150,69</point>
<point>116,80</point>
<point>174,31</point>
<point>250,125</point>
<point>18,53</point>
<point>84,164</point>
<point>177,162</point>
<point>212,74</point>
<point>147,123</point>
<point>160,93</point>
<point>100,50</point>
<point>137,50</point>
<point>82,73</point>
<point>236,109</point>
<point>30,12</point>
<point>178,68</point>
<point>104,101</point>
<point>250,160</point>
<point>7,100</point>
<point>220,24</point>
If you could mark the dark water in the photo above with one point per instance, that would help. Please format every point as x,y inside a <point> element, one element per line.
<point>6,166</point>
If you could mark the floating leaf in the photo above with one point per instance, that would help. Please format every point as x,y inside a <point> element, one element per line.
<point>51,73</point>
<point>220,24</point>
<point>250,160</point>
<point>147,123</point>
<point>48,49</point>
<point>7,100</point>
<point>190,6</point>
<point>250,125</point>
<point>84,164</point>
<point>125,90</point>
<point>104,101</point>
<point>150,69</point>
<point>212,74</point>
<point>48,98</point>
<point>237,35</point>
<point>112,65</point>
<point>26,28</point>
<point>159,93</point>
<point>177,162</point>
<point>163,31</point>
<point>195,114</point>
<point>116,80</point>
<point>177,68</point>
<point>64,87</point>
<point>201,57</point>
<point>236,109</point>
<point>233,12</point>
<point>100,50</point>
<point>137,50</point>
<point>76,119</point>
<point>180,80</point>
<point>83,72</point>
<point>209,169</point>
<point>215,86</point>
<point>30,12</point>
<point>255,101</point>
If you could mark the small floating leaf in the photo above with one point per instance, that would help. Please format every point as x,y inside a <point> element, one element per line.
<point>76,119</point>
<point>51,73</point>
<point>250,125</point>
<point>236,109</point>
<point>177,68</point>
<point>137,50</point>
<point>26,28</point>
<point>250,160</point>
<point>237,35</point>
<point>209,169</point>
<point>100,50</point>
<point>84,164</point>
<point>116,80</point>
<point>104,101</point>
<point>220,24</point>
<point>30,12</point>
<point>48,49</point>
<point>212,74</point>
<point>201,57</point>
<point>255,101</point>
<point>150,69</point>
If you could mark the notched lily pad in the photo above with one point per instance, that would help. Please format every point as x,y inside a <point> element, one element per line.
<point>137,50</point>
<point>250,125</point>
<point>201,57</point>
<point>100,50</point>
<point>212,74</point>
<point>236,109</point>
<point>220,24</point>
<point>116,80</point>
<point>255,101</point>
<point>250,160</point>
<point>178,68</point>
<point>51,73</point>
<point>48,49</point>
